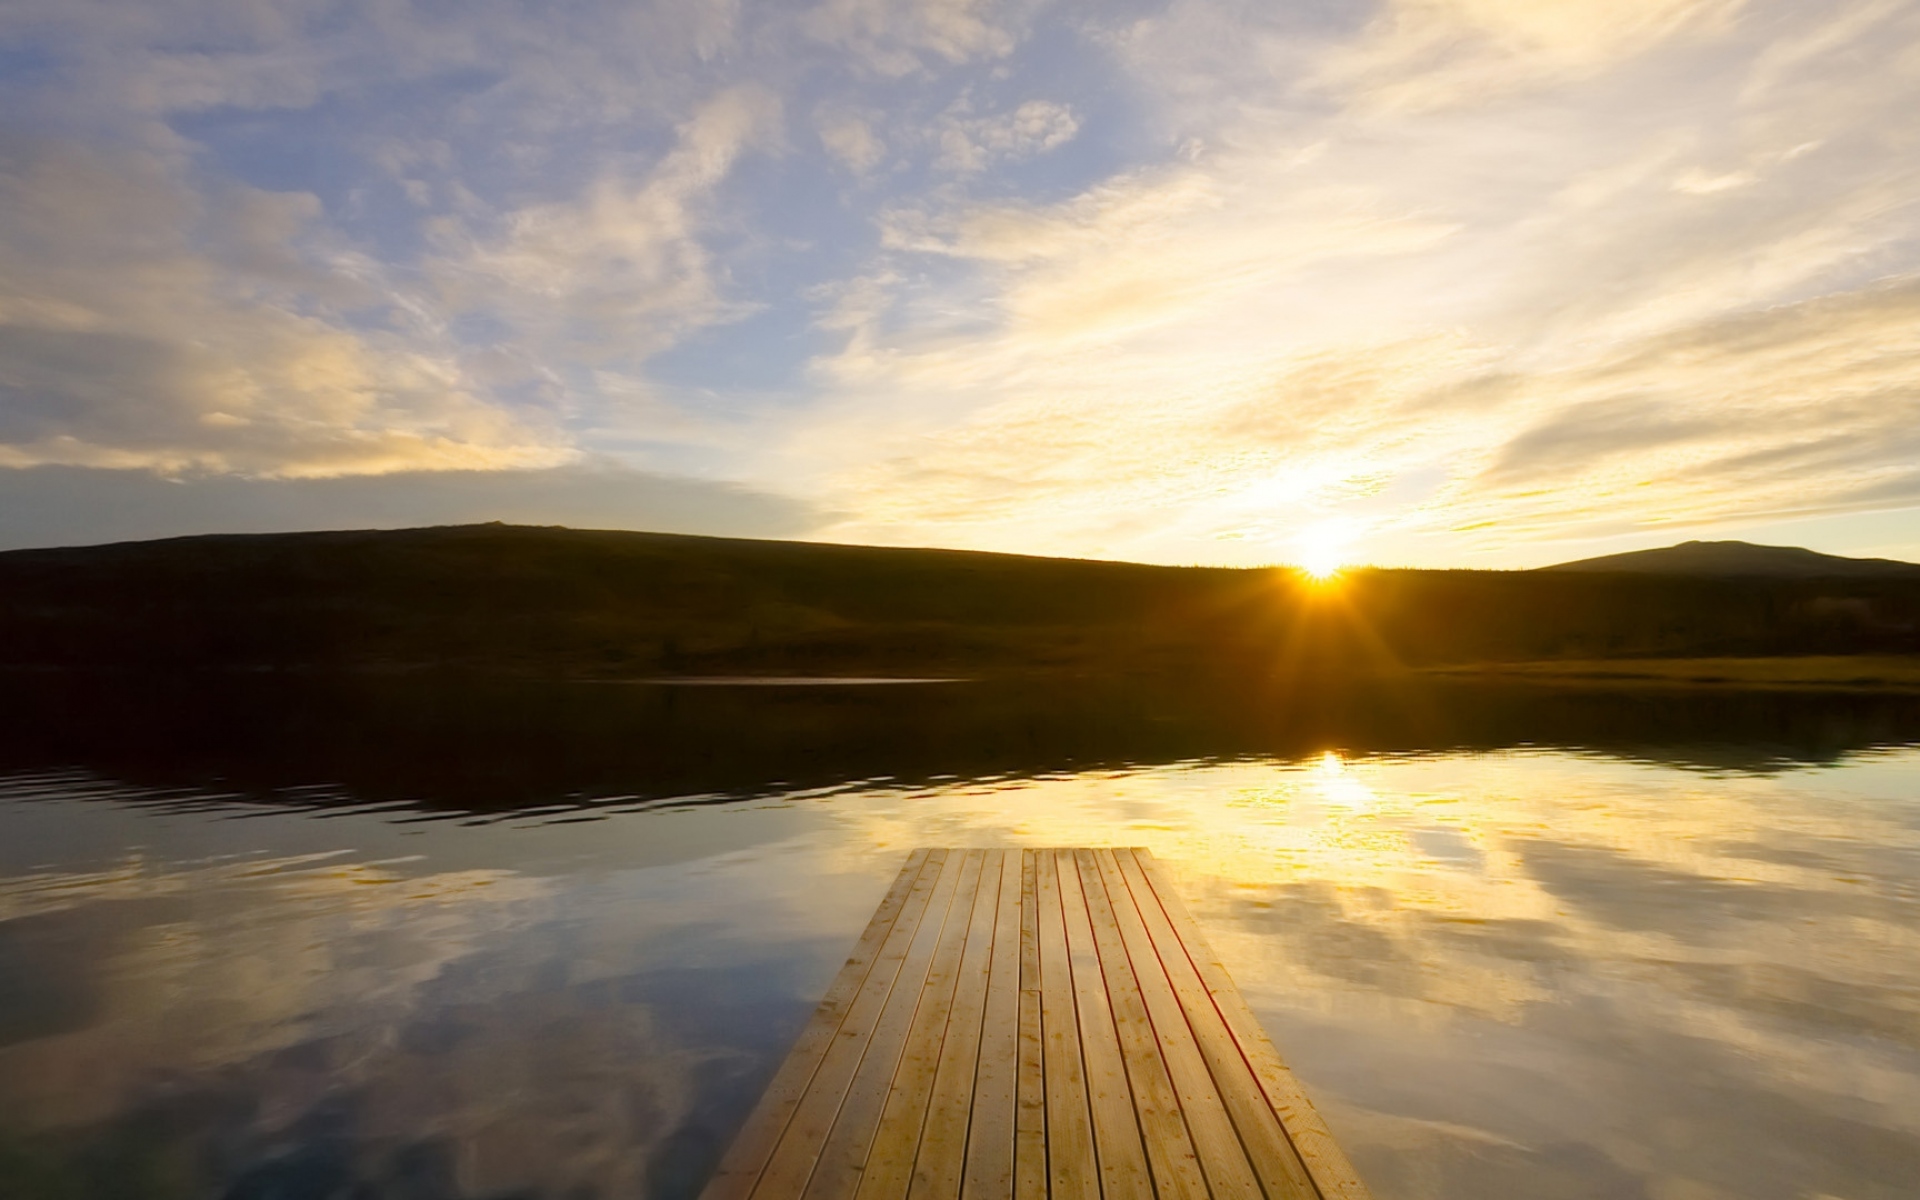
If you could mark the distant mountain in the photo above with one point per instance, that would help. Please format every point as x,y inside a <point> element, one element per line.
<point>1743,559</point>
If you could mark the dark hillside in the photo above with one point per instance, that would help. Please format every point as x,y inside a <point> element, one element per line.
<point>539,597</point>
<point>550,600</point>
<point>1744,559</point>
<point>1432,617</point>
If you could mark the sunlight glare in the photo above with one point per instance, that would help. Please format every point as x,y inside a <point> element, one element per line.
<point>1323,549</point>
<point>1336,786</point>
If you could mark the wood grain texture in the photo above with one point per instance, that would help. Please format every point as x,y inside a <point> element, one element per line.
<point>1072,1171</point>
<point>1332,1172</point>
<point>940,1161</point>
<point>740,1170</point>
<point>991,1127</point>
<point>1229,1174</point>
<point>843,1157</point>
<point>888,1168</point>
<point>1268,1148</point>
<point>1116,1126</point>
<point>1042,1024</point>
<point>1030,1131</point>
<point>1163,1127</point>
<point>798,1150</point>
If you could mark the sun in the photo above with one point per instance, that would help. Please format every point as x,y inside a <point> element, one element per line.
<point>1323,549</point>
<point>1322,563</point>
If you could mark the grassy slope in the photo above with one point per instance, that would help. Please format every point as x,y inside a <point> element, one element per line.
<point>624,604</point>
<point>1873,672</point>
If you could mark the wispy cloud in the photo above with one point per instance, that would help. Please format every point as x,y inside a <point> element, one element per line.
<point>1424,55</point>
<point>1471,278</point>
<point>622,270</point>
<point>896,37</point>
<point>143,325</point>
<point>851,139</point>
<point>1545,317</point>
<point>975,143</point>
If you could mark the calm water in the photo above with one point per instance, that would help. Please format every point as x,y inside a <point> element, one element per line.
<point>428,942</point>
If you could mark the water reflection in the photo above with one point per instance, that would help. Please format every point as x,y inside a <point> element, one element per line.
<point>1513,971</point>
<point>465,745</point>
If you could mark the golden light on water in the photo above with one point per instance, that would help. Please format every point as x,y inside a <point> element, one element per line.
<point>1637,958</point>
<point>1336,786</point>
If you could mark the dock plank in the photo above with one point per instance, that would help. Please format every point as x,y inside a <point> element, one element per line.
<point>797,1146</point>
<point>1116,1126</point>
<point>991,1128</point>
<point>1163,1128</point>
<point>1229,1175</point>
<point>940,1162</point>
<point>1072,1171</point>
<point>1275,1162</point>
<point>843,1156</point>
<point>740,1170</point>
<point>889,1164</point>
<point>1030,1132</point>
<point>1042,1024</point>
<point>1332,1171</point>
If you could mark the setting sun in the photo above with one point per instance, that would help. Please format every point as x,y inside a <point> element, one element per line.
<point>1323,549</point>
<point>1322,564</point>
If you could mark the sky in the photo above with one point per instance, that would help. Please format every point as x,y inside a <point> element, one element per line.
<point>1462,283</point>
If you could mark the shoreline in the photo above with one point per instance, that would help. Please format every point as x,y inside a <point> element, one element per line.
<point>1861,673</point>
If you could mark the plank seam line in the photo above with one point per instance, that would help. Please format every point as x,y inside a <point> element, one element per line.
<point>1159,965</point>
<point>839,1108</point>
<point>1079,1024</point>
<point>922,999</point>
<point>1030,870</point>
<point>1153,1181</point>
<point>928,862</point>
<point>1149,872</point>
<point>1220,1085</point>
<point>1079,1018</point>
<point>973,1079</point>
<point>1126,1073</point>
<point>946,1026</point>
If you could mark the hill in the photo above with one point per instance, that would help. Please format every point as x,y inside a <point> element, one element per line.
<point>626,605</point>
<point>1743,559</point>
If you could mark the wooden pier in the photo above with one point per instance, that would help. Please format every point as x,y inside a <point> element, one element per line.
<point>1033,1025</point>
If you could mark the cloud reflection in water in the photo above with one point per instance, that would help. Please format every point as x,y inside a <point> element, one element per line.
<point>1519,973</point>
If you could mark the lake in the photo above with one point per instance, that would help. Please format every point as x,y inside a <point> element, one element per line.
<point>435,937</point>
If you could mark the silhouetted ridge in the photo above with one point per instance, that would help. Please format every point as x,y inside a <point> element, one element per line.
<point>618,604</point>
<point>1743,559</point>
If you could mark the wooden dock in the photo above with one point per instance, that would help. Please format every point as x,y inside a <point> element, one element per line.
<point>1033,1025</point>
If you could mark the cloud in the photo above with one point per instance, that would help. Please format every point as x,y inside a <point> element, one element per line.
<point>157,314</point>
<point>899,37</point>
<point>974,143</point>
<point>850,139</point>
<point>1432,54</point>
<point>1805,409</point>
<point>144,325</point>
<point>577,61</point>
<point>1388,266</point>
<point>1809,407</point>
<point>621,272</point>
<point>1478,328</point>
<point>150,320</point>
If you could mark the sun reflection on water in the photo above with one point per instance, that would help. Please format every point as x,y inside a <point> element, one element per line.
<point>1337,786</point>
<point>1475,961</point>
